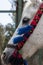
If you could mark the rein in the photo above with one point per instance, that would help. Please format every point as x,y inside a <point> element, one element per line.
<point>21,39</point>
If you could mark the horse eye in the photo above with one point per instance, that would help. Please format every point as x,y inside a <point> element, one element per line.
<point>26,20</point>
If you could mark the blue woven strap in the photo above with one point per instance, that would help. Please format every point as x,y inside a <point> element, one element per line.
<point>20,31</point>
<point>25,62</point>
<point>17,39</point>
<point>25,29</point>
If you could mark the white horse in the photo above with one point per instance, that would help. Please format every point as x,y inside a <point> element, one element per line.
<point>35,40</point>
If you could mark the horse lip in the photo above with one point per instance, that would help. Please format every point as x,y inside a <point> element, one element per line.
<point>3,60</point>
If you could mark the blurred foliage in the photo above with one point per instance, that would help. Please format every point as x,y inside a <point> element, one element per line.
<point>9,30</point>
<point>5,34</point>
<point>2,37</point>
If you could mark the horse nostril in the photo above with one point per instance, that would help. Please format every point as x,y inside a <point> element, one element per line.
<point>4,55</point>
<point>3,58</point>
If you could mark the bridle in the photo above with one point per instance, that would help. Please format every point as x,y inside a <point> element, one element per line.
<point>34,23</point>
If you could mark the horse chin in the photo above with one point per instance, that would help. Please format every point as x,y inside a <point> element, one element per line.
<point>4,62</point>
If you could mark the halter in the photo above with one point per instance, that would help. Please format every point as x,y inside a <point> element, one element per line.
<point>25,32</point>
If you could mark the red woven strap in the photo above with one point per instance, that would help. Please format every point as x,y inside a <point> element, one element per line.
<point>16,54</point>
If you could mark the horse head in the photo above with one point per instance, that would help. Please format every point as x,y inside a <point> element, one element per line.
<point>34,42</point>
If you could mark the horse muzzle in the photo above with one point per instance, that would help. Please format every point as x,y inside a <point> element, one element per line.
<point>4,59</point>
